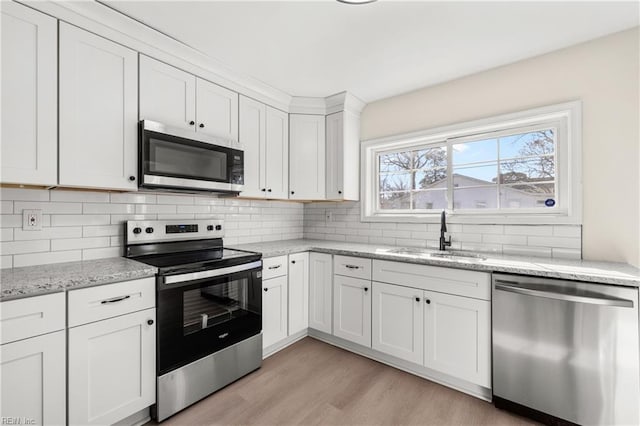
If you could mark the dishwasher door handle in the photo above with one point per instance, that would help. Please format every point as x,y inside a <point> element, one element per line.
<point>522,289</point>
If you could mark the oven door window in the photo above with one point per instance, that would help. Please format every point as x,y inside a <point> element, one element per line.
<point>213,305</point>
<point>201,317</point>
<point>168,158</point>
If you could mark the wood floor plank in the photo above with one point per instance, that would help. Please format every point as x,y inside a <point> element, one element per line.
<point>314,383</point>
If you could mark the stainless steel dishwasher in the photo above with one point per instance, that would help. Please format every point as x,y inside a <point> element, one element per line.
<point>566,350</point>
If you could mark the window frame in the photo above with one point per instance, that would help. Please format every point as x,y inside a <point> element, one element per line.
<point>565,118</point>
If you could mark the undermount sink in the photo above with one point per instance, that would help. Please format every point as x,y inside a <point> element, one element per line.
<point>421,252</point>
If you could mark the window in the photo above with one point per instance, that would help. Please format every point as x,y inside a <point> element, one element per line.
<point>517,168</point>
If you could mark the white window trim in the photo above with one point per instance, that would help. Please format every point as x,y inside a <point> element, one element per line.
<point>568,157</point>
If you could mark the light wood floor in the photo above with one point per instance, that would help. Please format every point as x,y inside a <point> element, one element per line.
<point>313,383</point>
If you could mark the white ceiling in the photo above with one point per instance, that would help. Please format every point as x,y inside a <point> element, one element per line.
<point>318,48</point>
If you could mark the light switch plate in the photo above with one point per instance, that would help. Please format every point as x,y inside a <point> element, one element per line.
<point>31,220</point>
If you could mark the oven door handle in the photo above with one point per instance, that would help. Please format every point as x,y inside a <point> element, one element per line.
<point>192,276</point>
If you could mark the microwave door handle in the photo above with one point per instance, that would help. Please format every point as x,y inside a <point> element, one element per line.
<point>192,276</point>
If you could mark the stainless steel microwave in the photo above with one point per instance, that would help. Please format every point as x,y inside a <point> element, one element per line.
<point>173,158</point>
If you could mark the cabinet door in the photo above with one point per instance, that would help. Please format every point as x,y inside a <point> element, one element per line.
<point>29,101</point>
<point>298,292</point>
<point>216,110</point>
<point>98,111</point>
<point>307,157</point>
<point>352,309</point>
<point>457,337</point>
<point>320,290</point>
<point>277,154</point>
<point>252,137</point>
<point>112,368</point>
<point>398,321</point>
<point>167,94</point>
<point>33,377</point>
<point>274,310</point>
<point>335,159</point>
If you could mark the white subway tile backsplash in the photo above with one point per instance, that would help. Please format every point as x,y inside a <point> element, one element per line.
<point>6,234</point>
<point>133,198</point>
<point>79,243</point>
<point>175,199</point>
<point>20,194</point>
<point>98,208</point>
<point>102,230</point>
<point>505,239</point>
<point>10,220</point>
<point>194,209</point>
<point>528,230</point>
<point>564,253</point>
<point>526,251</point>
<point>18,247</point>
<point>79,219</point>
<point>100,253</point>
<point>6,207</point>
<point>79,196</point>
<point>155,208</point>
<point>555,242</point>
<point>47,207</point>
<point>119,219</point>
<point>6,262</point>
<point>46,258</point>
<point>48,233</point>
<point>567,231</point>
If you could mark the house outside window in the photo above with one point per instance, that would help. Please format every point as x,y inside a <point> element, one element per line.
<point>516,168</point>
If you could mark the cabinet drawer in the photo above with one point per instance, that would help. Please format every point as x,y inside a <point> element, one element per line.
<point>356,267</point>
<point>274,267</point>
<point>97,303</point>
<point>31,316</point>
<point>444,280</point>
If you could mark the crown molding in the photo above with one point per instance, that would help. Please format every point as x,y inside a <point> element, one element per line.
<point>343,101</point>
<point>113,25</point>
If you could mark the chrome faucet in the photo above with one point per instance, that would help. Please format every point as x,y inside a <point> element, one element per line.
<point>443,228</point>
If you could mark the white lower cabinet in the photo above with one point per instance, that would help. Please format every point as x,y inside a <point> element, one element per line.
<point>352,309</point>
<point>33,375</point>
<point>320,291</point>
<point>398,321</point>
<point>112,368</point>
<point>298,292</point>
<point>274,310</point>
<point>458,337</point>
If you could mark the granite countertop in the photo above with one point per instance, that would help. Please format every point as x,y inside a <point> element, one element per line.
<point>41,279</point>
<point>579,270</point>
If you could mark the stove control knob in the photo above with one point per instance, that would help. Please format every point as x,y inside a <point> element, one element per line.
<point>137,230</point>
<point>209,227</point>
<point>218,227</point>
<point>149,230</point>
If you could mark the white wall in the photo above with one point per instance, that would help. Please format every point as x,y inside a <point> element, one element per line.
<point>80,225</point>
<point>604,74</point>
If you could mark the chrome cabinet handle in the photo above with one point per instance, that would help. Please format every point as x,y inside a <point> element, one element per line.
<point>274,267</point>
<point>352,266</point>
<point>595,299</point>
<point>117,299</point>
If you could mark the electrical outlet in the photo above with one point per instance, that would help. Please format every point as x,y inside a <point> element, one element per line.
<point>328,216</point>
<point>32,220</point>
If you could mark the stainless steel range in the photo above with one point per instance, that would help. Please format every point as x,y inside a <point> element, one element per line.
<point>209,308</point>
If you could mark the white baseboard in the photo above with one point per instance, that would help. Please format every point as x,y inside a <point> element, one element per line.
<point>278,346</point>
<point>136,419</point>
<point>418,370</point>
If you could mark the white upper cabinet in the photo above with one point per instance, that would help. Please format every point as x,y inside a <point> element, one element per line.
<point>277,153</point>
<point>216,110</point>
<point>167,94</point>
<point>264,135</point>
<point>307,157</point>
<point>343,156</point>
<point>253,139</point>
<point>29,99</point>
<point>98,111</point>
<point>176,98</point>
